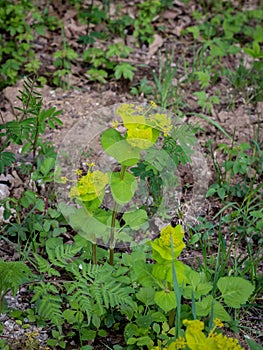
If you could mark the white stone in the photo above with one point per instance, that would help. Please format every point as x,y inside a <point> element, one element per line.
<point>4,191</point>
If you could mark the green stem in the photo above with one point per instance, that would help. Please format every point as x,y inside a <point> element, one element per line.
<point>113,221</point>
<point>112,232</point>
<point>171,318</point>
<point>172,312</point>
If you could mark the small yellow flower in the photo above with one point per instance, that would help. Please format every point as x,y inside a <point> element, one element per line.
<point>64,179</point>
<point>162,122</point>
<point>194,326</point>
<point>218,323</point>
<point>90,186</point>
<point>90,165</point>
<point>153,104</point>
<point>115,123</point>
<point>180,343</point>
<point>195,338</point>
<point>78,172</point>
<point>223,342</point>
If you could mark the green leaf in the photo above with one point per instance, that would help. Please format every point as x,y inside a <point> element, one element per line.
<point>124,70</point>
<point>47,165</point>
<point>145,341</point>
<point>195,31</point>
<point>130,330</point>
<point>69,316</point>
<point>131,341</point>
<point>96,321</point>
<point>235,290</point>
<point>88,226</point>
<point>143,274</point>
<point>166,300</point>
<point>99,75</point>
<point>163,270</point>
<point>198,285</point>
<point>6,159</point>
<point>253,345</point>
<point>135,218</point>
<point>204,308</point>
<point>26,147</point>
<point>118,148</point>
<point>88,334</point>
<point>211,191</point>
<point>109,138</point>
<point>122,189</point>
<point>144,321</point>
<point>158,317</point>
<point>146,296</point>
<point>204,78</point>
<point>221,193</point>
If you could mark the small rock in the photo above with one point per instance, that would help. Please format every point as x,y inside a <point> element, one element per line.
<point>4,191</point>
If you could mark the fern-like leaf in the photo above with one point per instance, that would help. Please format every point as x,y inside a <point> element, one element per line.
<point>48,303</point>
<point>60,254</point>
<point>44,266</point>
<point>12,275</point>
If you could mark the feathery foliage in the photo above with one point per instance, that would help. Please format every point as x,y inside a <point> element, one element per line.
<point>12,275</point>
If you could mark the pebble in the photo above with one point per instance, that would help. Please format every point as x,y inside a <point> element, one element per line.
<point>18,331</point>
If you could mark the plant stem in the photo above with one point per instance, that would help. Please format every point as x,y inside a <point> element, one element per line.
<point>113,221</point>
<point>112,232</point>
<point>171,318</point>
<point>172,312</point>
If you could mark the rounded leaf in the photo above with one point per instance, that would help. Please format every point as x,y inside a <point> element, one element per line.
<point>122,189</point>
<point>235,290</point>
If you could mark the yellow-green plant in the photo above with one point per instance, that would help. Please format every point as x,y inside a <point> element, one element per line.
<point>196,339</point>
<point>143,126</point>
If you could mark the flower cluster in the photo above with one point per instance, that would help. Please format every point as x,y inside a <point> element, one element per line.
<point>169,235</point>
<point>161,122</point>
<point>143,129</point>
<point>90,186</point>
<point>195,339</point>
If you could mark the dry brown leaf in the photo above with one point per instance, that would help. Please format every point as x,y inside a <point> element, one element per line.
<point>171,14</point>
<point>155,46</point>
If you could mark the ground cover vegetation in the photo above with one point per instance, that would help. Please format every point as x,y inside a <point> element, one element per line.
<point>198,283</point>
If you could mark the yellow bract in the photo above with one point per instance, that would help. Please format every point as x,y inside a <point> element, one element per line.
<point>140,136</point>
<point>90,186</point>
<point>162,245</point>
<point>177,235</point>
<point>218,323</point>
<point>195,339</point>
<point>142,127</point>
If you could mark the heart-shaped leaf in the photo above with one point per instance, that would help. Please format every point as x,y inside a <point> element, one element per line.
<point>135,218</point>
<point>118,148</point>
<point>122,189</point>
<point>235,290</point>
<point>166,300</point>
